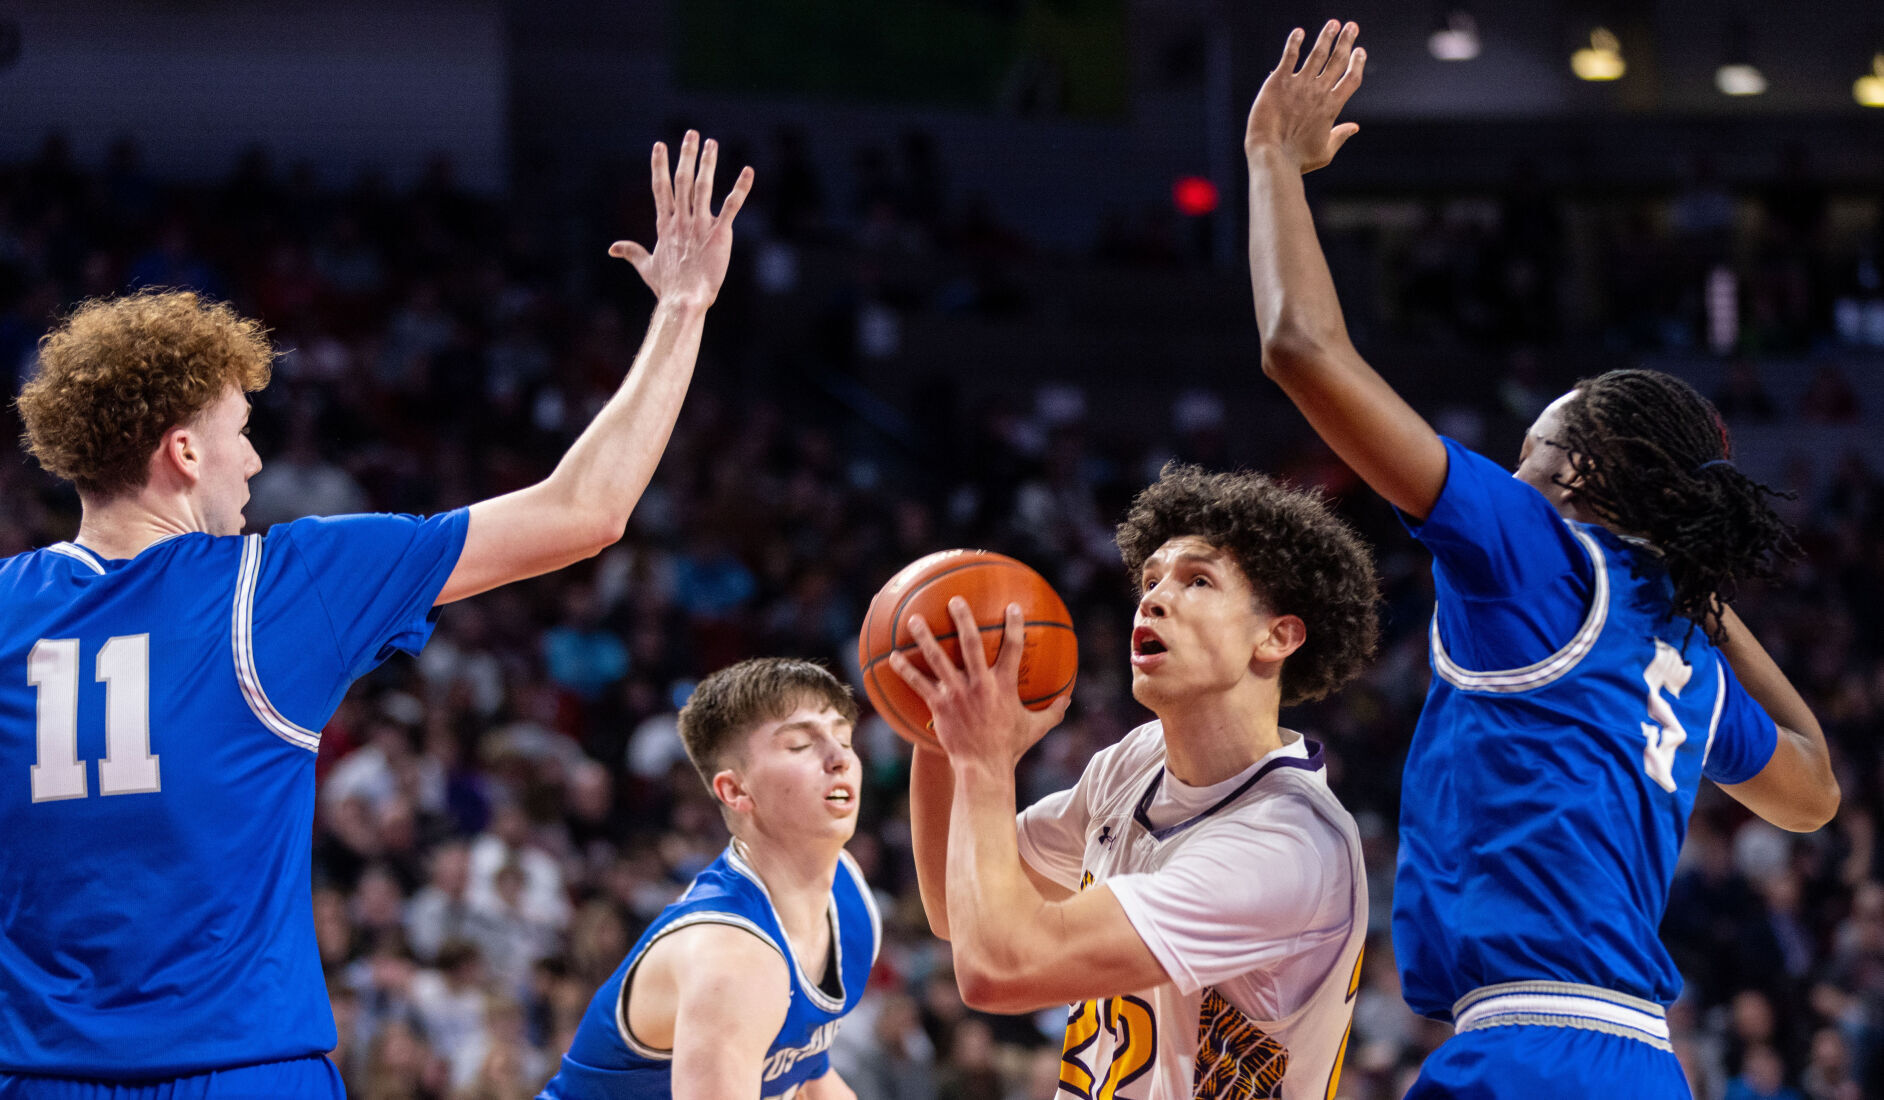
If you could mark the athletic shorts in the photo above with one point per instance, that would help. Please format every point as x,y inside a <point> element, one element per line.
<point>310,1078</point>
<point>1528,1062</point>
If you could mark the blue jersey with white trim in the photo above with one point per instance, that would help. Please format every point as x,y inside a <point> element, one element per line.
<point>606,1061</point>
<point>159,719</point>
<point>1570,719</point>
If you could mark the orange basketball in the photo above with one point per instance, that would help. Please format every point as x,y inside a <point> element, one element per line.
<point>989,582</point>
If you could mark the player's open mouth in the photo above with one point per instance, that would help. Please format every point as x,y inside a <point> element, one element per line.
<point>1148,650</point>
<point>843,797</point>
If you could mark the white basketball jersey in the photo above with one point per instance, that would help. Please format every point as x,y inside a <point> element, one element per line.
<point>1225,1037</point>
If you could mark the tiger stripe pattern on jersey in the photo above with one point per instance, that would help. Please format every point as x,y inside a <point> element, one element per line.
<point>1236,1060</point>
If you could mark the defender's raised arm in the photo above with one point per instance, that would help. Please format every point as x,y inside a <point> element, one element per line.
<point>583,506</point>
<point>1306,349</point>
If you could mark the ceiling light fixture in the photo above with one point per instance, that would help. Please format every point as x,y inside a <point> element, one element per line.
<point>1868,90</point>
<point>1601,59</point>
<point>1455,38</point>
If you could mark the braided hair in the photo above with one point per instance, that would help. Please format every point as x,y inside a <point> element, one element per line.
<point>1652,459</point>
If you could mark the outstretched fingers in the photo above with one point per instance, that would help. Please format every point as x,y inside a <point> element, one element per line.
<point>703,185</point>
<point>1337,65</point>
<point>1324,45</point>
<point>736,198</point>
<point>663,183</point>
<point>1350,81</point>
<point>630,251</point>
<point>1291,52</point>
<point>683,174</point>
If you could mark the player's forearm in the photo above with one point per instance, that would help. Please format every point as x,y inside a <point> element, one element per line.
<point>1802,793</point>
<point>610,464</point>
<point>995,914</point>
<point>1762,678</point>
<point>931,790</point>
<point>710,1064</point>
<point>706,1079</point>
<point>1297,310</point>
<point>1307,352</point>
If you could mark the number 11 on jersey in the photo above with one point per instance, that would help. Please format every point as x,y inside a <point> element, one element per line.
<point>124,668</point>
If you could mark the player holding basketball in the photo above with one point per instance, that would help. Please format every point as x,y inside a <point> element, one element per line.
<point>163,680</point>
<point>736,990</point>
<point>1588,671</point>
<point>1198,896</point>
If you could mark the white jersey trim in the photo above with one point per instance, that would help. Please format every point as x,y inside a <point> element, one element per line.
<point>1551,668</point>
<point>1720,703</point>
<point>78,553</point>
<point>1562,1004</point>
<point>870,903</point>
<point>242,630</point>
<point>813,990</point>
<point>628,978</point>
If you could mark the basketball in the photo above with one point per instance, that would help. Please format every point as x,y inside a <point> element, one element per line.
<point>989,582</point>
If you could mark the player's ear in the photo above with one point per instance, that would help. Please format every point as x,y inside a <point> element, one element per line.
<point>730,792</point>
<point>1285,635</point>
<point>178,455</point>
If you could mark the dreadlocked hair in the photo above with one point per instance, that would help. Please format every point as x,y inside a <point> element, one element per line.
<point>1651,459</point>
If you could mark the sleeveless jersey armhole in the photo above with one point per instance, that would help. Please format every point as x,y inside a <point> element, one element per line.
<point>628,977</point>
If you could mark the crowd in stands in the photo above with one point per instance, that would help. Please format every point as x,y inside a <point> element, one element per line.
<point>500,817</point>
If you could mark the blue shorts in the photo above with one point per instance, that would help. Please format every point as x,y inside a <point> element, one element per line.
<point>313,1078</point>
<point>1539,1063</point>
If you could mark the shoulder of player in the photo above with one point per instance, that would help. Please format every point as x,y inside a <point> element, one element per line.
<point>1140,748</point>
<point>719,957</point>
<point>1286,806</point>
<point>1114,775</point>
<point>1473,476</point>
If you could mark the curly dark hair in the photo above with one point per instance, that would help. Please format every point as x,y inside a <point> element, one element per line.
<point>1652,459</point>
<point>1298,555</point>
<point>120,372</point>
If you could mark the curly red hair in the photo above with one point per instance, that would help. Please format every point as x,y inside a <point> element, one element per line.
<point>118,373</point>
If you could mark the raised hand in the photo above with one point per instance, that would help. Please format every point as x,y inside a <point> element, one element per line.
<point>977,709</point>
<point>691,246</point>
<point>1296,109</point>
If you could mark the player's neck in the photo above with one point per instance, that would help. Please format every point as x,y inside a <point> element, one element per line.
<point>1209,739</point>
<point>798,878</point>
<point>123,526</point>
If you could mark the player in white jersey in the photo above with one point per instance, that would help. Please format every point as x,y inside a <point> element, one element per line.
<point>1198,896</point>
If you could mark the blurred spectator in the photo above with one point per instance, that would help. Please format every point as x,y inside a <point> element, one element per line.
<point>1763,1078</point>
<point>883,1054</point>
<point>539,896</point>
<point>440,912</point>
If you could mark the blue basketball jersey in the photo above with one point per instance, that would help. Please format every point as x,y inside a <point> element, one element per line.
<point>159,718</point>
<point>1570,720</point>
<point>606,1061</point>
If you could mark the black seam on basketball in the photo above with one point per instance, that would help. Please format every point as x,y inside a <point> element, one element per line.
<point>1054,694</point>
<point>1002,561</point>
<point>889,704</point>
<point>908,646</point>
